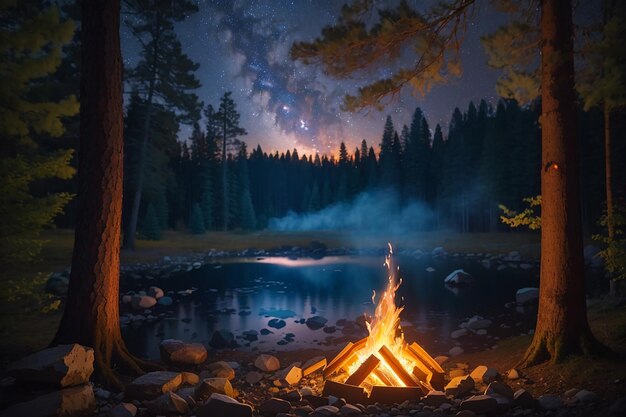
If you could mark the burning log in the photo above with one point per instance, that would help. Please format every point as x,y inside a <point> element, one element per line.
<point>390,395</point>
<point>364,370</point>
<point>351,393</point>
<point>344,356</point>
<point>313,365</point>
<point>397,368</point>
<point>377,372</point>
<point>436,378</point>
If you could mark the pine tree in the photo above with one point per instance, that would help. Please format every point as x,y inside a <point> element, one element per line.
<point>196,220</point>
<point>151,228</point>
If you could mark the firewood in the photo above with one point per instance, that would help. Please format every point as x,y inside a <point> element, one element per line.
<point>351,393</point>
<point>363,371</point>
<point>391,395</point>
<point>314,366</point>
<point>396,366</point>
<point>380,375</point>
<point>344,356</point>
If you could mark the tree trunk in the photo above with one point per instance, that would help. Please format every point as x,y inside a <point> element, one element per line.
<point>224,180</point>
<point>91,315</point>
<point>610,226</point>
<point>562,328</point>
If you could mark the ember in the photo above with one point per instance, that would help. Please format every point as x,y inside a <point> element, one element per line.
<point>383,364</point>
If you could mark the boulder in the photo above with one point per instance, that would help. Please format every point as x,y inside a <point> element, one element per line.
<point>61,366</point>
<point>141,302</point>
<point>550,402</point>
<point>267,363</point>
<point>458,277</point>
<point>316,322</point>
<point>458,333</point>
<point>123,410</point>
<point>222,339</point>
<point>480,404</point>
<point>209,386</point>
<point>57,284</point>
<point>168,404</point>
<point>585,396</point>
<point>523,398</point>
<point>155,292</point>
<point>253,377</point>
<point>177,352</point>
<point>478,323</point>
<point>220,405</point>
<point>288,376</point>
<point>527,295</point>
<point>189,378</point>
<point>165,301</point>
<point>484,374</point>
<point>459,386</point>
<point>350,410</point>
<point>500,388</point>
<point>274,406</point>
<point>73,401</point>
<point>435,398</point>
<point>455,351</point>
<point>221,369</point>
<point>153,384</point>
<point>512,374</point>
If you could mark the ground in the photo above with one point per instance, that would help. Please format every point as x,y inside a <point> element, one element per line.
<point>25,329</point>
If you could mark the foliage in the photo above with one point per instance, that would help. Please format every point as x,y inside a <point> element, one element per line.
<point>151,229</point>
<point>196,222</point>
<point>528,217</point>
<point>31,42</point>
<point>614,253</point>
<point>32,290</point>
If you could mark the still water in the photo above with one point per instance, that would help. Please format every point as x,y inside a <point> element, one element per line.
<point>245,294</point>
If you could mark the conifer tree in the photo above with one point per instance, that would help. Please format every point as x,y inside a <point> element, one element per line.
<point>196,220</point>
<point>151,229</point>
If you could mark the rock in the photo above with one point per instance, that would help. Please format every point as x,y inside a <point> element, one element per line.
<point>618,408</point>
<point>316,322</point>
<point>165,301</point>
<point>222,339</point>
<point>189,378</point>
<point>458,333</point>
<point>220,405</point>
<point>155,292</point>
<point>457,372</point>
<point>253,377</point>
<point>459,386</point>
<point>523,398</point>
<point>292,396</point>
<point>438,251</point>
<point>512,374</point>
<point>168,404</point>
<point>267,363</point>
<point>550,402</point>
<point>209,386</point>
<point>480,404</point>
<point>73,401</point>
<point>61,366</point>
<point>274,406</point>
<point>456,351</point>
<point>478,323</point>
<point>251,335</point>
<point>141,302</point>
<point>458,277</point>
<point>189,395</point>
<point>57,284</point>
<point>435,398</point>
<point>585,396</point>
<point>430,269</point>
<point>350,410</point>
<point>178,353</point>
<point>153,384</point>
<point>327,410</point>
<point>570,392</point>
<point>500,388</point>
<point>465,413</point>
<point>276,323</point>
<point>441,359</point>
<point>123,410</point>
<point>484,374</point>
<point>126,299</point>
<point>288,376</point>
<point>221,369</point>
<point>527,295</point>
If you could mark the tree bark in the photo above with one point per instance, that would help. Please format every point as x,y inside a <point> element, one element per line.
<point>610,226</point>
<point>562,328</point>
<point>224,179</point>
<point>91,315</point>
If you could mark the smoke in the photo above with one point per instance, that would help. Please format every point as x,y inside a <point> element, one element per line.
<point>376,211</point>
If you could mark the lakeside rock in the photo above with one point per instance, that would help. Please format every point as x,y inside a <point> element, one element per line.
<point>177,352</point>
<point>73,401</point>
<point>153,384</point>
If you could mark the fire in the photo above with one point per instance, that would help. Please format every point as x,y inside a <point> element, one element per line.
<point>383,358</point>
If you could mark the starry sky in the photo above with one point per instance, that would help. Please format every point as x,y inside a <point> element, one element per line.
<point>243,46</point>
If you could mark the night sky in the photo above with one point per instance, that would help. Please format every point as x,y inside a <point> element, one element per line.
<point>243,46</point>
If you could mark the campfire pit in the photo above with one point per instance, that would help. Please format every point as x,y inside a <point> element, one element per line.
<point>383,367</point>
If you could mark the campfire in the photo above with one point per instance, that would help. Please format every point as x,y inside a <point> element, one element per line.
<point>383,367</point>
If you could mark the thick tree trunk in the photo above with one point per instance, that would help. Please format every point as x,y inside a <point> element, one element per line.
<point>562,327</point>
<point>91,315</point>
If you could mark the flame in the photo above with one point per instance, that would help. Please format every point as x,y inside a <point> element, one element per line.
<point>384,330</point>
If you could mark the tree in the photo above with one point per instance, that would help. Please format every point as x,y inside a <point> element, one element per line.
<point>228,130</point>
<point>349,47</point>
<point>196,221</point>
<point>91,315</point>
<point>164,74</point>
<point>31,41</point>
<point>151,227</point>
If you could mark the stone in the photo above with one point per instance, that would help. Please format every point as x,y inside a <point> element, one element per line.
<point>350,410</point>
<point>220,405</point>
<point>155,292</point>
<point>292,396</point>
<point>253,377</point>
<point>459,386</point>
<point>585,396</point>
<point>458,333</point>
<point>500,388</point>
<point>141,302</point>
<point>72,401</point>
<point>267,363</point>
<point>288,376</point>
<point>209,386</point>
<point>189,378</point>
<point>441,359</point>
<point>316,322</point>
<point>153,384</point>
<point>123,410</point>
<point>189,395</point>
<point>61,366</point>
<point>456,351</point>
<point>221,369</point>
<point>126,299</point>
<point>618,408</point>
<point>523,398</point>
<point>512,374</point>
<point>168,404</point>
<point>480,404</point>
<point>276,323</point>
<point>327,410</point>
<point>435,398</point>
<point>438,251</point>
<point>313,364</point>
<point>478,323</point>
<point>165,301</point>
<point>527,295</point>
<point>273,406</point>
<point>177,352</point>
<point>458,277</point>
<point>465,413</point>
<point>550,402</point>
<point>457,372</point>
<point>57,284</point>
<point>222,339</point>
<point>484,374</point>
